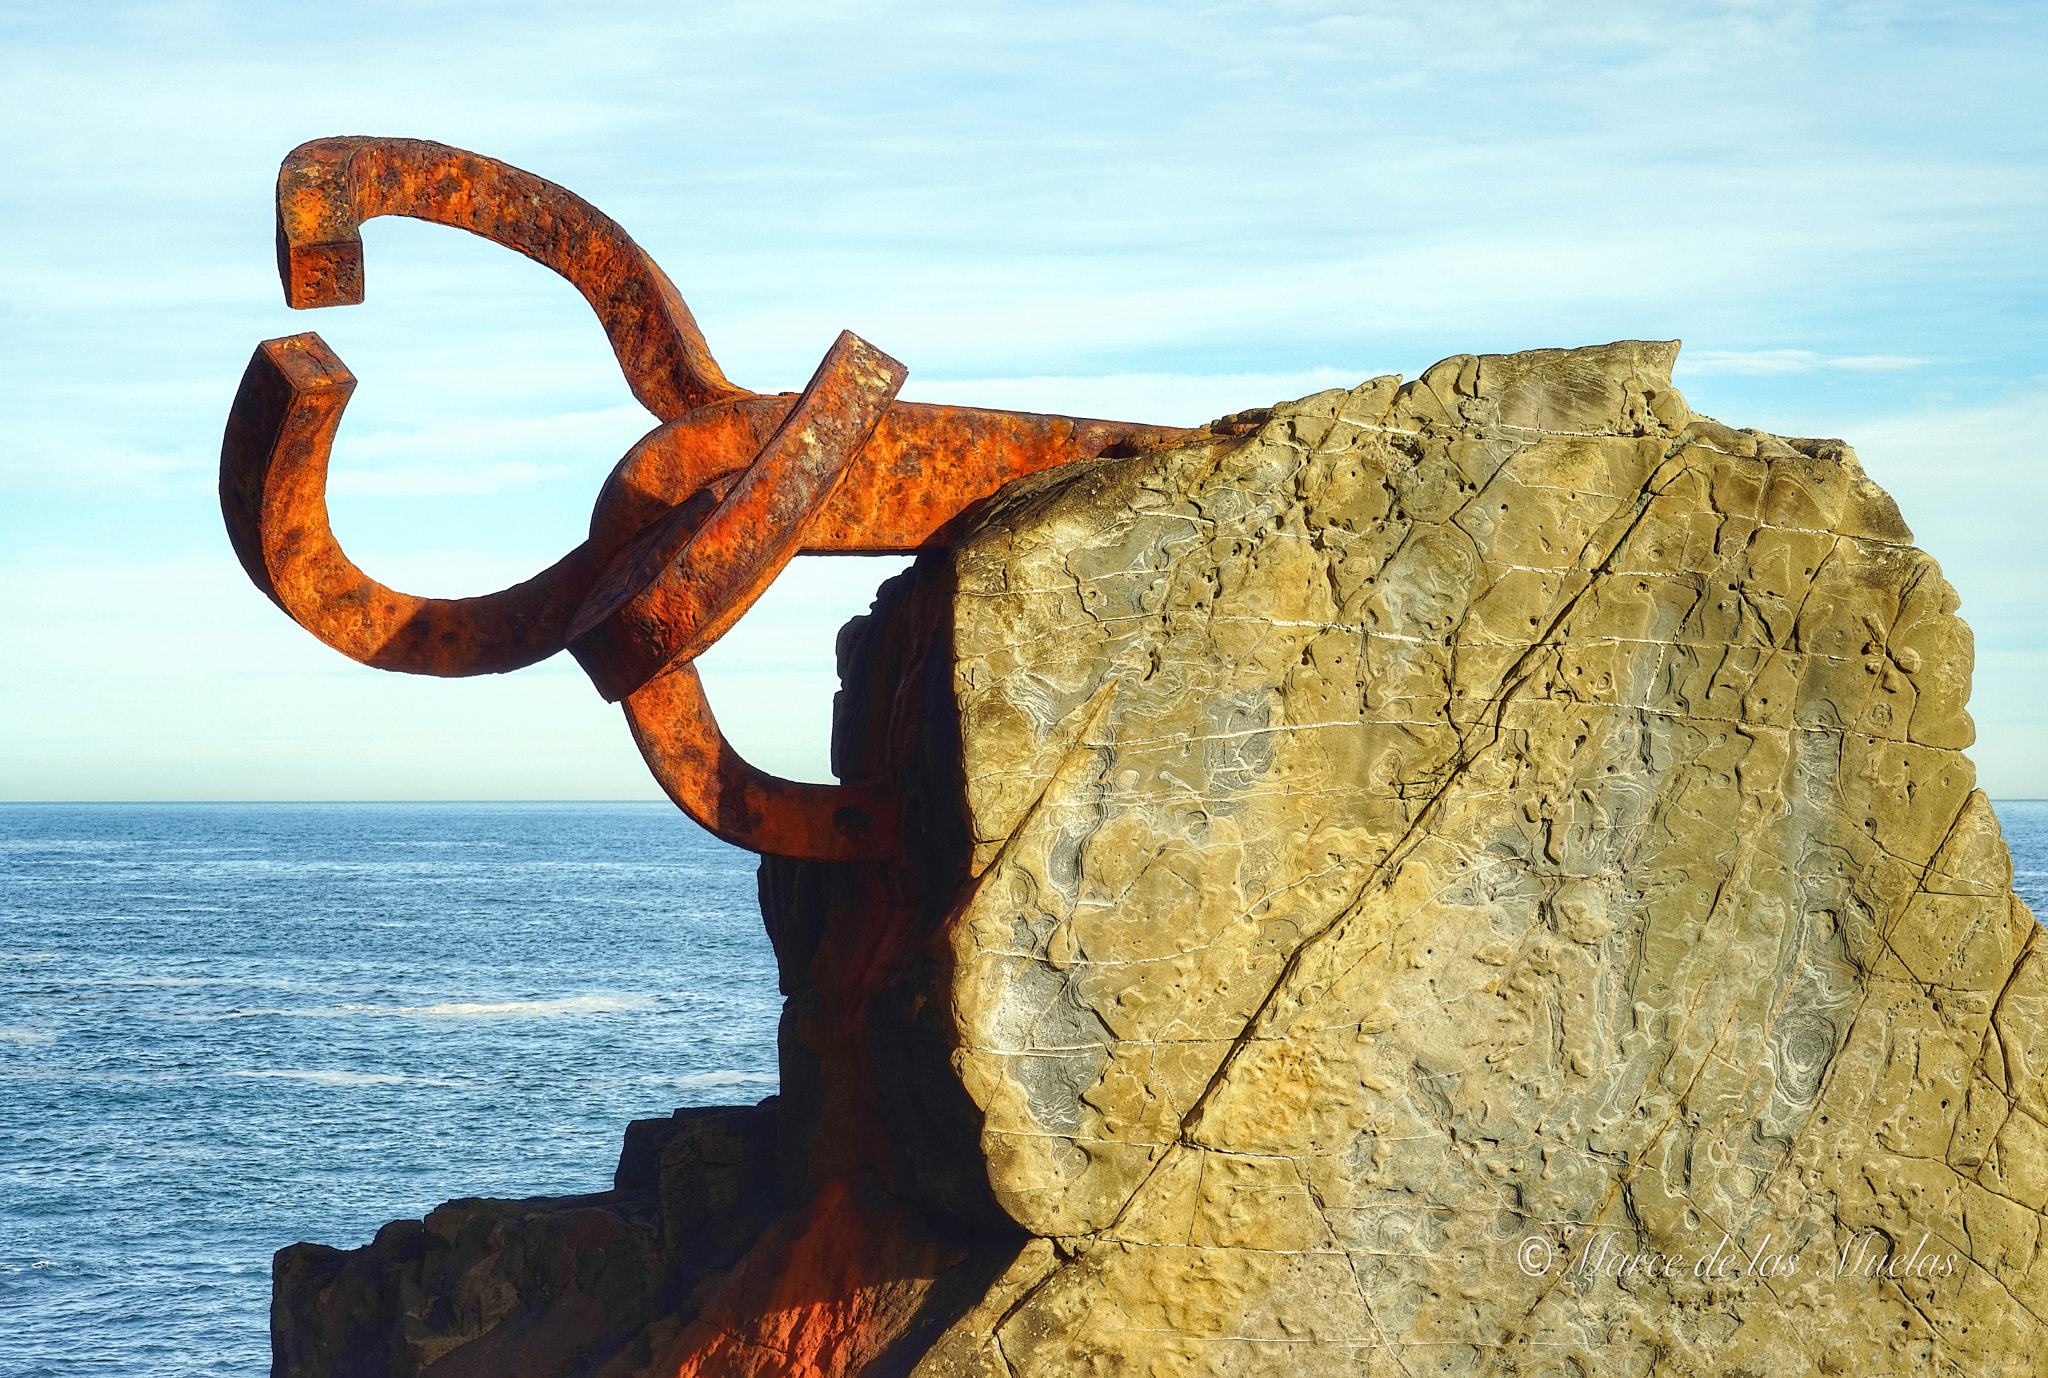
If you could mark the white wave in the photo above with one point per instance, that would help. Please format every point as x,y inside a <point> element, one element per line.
<point>512,1009</point>
<point>543,1009</point>
<point>337,1078</point>
<point>125,981</point>
<point>234,1014</point>
<point>26,1036</point>
<point>447,1009</point>
<point>718,1079</point>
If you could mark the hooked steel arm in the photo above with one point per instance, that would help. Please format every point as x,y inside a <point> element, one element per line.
<point>691,527</point>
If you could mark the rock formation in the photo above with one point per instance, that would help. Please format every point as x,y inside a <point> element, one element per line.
<point>1467,876</point>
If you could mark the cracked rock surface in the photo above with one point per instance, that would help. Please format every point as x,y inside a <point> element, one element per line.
<point>1459,823</point>
<point>1470,876</point>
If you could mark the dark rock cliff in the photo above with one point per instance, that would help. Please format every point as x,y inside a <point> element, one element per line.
<point>836,1228</point>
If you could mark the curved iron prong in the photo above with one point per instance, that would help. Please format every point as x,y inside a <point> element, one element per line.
<point>672,723</point>
<point>327,188</point>
<point>693,524</point>
<point>273,494</point>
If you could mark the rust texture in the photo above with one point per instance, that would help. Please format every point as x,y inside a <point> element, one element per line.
<point>690,529</point>
<point>273,494</point>
<point>329,187</point>
<point>675,593</point>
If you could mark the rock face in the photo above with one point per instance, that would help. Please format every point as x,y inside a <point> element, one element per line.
<point>690,1264</point>
<point>1467,876</point>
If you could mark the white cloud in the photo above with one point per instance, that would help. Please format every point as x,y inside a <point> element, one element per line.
<point>1168,399</point>
<point>1766,362</point>
<point>1875,363</point>
<point>72,456</point>
<point>476,455</point>
<point>93,456</point>
<point>448,478</point>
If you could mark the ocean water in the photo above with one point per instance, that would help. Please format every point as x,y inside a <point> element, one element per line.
<point>2025,825</point>
<point>228,1027</point>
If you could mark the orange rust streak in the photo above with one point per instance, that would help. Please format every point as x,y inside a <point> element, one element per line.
<point>823,1295</point>
<point>671,722</point>
<point>328,187</point>
<point>273,493</point>
<point>927,464</point>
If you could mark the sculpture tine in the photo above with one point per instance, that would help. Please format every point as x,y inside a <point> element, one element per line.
<point>690,529</point>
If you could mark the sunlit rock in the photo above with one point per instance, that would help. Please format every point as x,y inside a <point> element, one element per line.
<point>1476,875</point>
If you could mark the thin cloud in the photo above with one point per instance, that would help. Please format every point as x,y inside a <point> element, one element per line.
<point>65,459</point>
<point>451,479</point>
<point>1766,362</point>
<point>478,455</point>
<point>1171,399</point>
<point>464,457</point>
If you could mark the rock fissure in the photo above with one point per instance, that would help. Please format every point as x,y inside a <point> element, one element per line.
<point>1409,832</point>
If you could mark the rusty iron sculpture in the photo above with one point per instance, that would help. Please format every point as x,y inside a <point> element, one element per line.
<point>690,529</point>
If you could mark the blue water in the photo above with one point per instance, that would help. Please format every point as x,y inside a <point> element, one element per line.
<point>2025,825</point>
<point>228,1027</point>
<point>225,1028</point>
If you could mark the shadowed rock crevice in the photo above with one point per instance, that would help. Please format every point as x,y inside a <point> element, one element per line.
<point>838,1228</point>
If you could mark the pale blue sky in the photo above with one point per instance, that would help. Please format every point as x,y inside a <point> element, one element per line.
<point>1144,211</point>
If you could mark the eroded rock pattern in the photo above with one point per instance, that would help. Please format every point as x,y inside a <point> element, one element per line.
<point>1464,822</point>
<point>1473,876</point>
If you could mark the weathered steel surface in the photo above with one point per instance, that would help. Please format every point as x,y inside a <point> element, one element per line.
<point>329,187</point>
<point>694,522</point>
<point>273,494</point>
<point>672,724</point>
<point>679,590</point>
<point>923,467</point>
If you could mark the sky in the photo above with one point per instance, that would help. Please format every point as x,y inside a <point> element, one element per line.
<point>1150,212</point>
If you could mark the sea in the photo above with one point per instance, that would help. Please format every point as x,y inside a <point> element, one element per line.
<point>225,1028</point>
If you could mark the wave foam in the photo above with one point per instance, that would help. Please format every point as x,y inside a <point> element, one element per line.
<point>331,1078</point>
<point>26,1036</point>
<point>719,1079</point>
<point>512,1009</point>
<point>447,1009</point>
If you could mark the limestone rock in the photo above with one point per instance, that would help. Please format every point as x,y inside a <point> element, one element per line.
<point>1466,834</point>
<point>1468,876</point>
